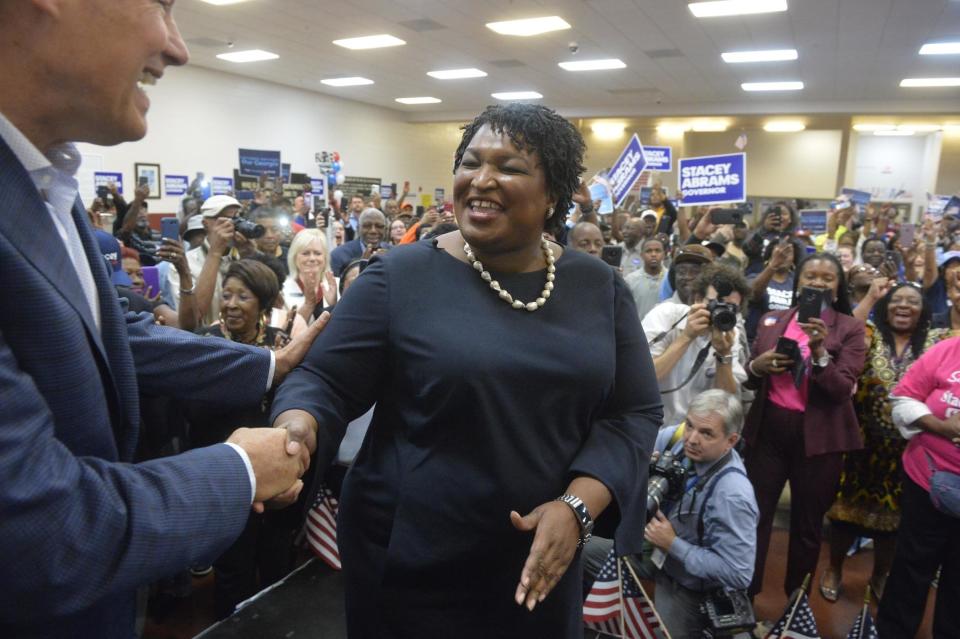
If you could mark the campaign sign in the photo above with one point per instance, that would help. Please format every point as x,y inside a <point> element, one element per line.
<point>386,191</point>
<point>814,220</point>
<point>103,178</point>
<point>438,194</point>
<point>175,184</point>
<point>285,173</point>
<point>857,197</point>
<point>254,162</point>
<point>659,158</point>
<point>627,169</point>
<point>713,179</point>
<point>221,185</point>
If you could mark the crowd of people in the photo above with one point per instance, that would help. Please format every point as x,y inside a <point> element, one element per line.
<point>501,392</point>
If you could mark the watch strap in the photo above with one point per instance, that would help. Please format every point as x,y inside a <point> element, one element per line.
<point>583,517</point>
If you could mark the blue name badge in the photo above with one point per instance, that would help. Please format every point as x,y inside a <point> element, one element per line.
<point>713,179</point>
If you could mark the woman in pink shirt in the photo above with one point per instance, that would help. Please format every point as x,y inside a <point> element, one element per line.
<point>926,409</point>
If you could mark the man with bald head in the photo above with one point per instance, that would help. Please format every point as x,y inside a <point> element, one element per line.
<point>371,230</point>
<point>82,526</point>
<point>586,238</point>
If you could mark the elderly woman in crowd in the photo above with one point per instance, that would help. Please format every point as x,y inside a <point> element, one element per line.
<point>493,447</point>
<point>868,502</point>
<point>311,282</point>
<point>926,409</point>
<point>802,420</point>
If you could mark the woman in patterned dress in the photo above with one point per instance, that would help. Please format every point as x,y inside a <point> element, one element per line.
<point>867,502</point>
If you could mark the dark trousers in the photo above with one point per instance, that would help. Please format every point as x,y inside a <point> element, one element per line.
<point>775,458</point>
<point>927,538</point>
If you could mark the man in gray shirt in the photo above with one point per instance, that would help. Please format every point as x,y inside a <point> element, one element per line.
<point>645,283</point>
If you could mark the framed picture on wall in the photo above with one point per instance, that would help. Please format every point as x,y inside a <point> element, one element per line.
<point>148,174</point>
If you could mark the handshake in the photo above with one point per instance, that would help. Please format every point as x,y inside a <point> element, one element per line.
<point>279,457</point>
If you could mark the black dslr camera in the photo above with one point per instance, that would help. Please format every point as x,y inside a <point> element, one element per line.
<point>723,315</point>
<point>248,229</point>
<point>667,478</point>
<point>729,613</point>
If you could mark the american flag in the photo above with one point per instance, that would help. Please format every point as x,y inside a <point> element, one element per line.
<point>797,622</point>
<point>321,528</point>
<point>602,608</point>
<point>863,627</point>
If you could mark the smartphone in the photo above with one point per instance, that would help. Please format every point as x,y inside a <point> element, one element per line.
<point>908,233</point>
<point>810,303</point>
<point>170,228</point>
<point>612,255</point>
<point>151,281</point>
<point>102,193</point>
<point>788,348</point>
<point>726,216</point>
<point>143,181</point>
<point>344,203</point>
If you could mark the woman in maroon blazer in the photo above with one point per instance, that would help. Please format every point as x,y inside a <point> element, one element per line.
<point>799,434</point>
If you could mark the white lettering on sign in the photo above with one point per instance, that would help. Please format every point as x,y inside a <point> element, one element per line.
<point>705,178</point>
<point>625,170</point>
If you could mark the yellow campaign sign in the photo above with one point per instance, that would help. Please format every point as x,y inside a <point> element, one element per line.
<point>426,200</point>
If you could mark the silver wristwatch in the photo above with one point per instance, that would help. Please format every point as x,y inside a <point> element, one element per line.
<point>583,517</point>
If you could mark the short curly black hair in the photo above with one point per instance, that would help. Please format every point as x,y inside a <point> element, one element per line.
<point>543,131</point>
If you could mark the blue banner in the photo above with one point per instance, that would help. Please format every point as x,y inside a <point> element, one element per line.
<point>627,169</point>
<point>104,178</point>
<point>713,179</point>
<point>285,173</point>
<point>221,185</point>
<point>659,158</point>
<point>257,163</point>
<point>857,197</point>
<point>814,220</point>
<point>175,184</point>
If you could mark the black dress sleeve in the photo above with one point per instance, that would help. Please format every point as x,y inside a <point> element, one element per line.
<point>617,450</point>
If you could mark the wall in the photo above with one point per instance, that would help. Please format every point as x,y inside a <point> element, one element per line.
<point>948,176</point>
<point>199,118</point>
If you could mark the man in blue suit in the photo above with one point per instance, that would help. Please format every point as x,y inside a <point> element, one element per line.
<point>81,527</point>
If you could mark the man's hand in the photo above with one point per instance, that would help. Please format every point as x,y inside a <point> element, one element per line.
<point>722,341</point>
<point>705,228</point>
<point>779,259</point>
<point>698,322</point>
<point>141,193</point>
<point>172,251</point>
<point>293,353</point>
<point>556,533</point>
<point>276,470</point>
<point>221,235</point>
<point>659,532</point>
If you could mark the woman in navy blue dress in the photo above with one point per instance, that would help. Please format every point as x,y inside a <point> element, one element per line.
<point>507,372</point>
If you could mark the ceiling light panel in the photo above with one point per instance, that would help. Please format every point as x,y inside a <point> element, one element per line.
<point>529,26</point>
<point>929,82</point>
<point>592,65</point>
<point>608,130</point>
<point>353,81</point>
<point>784,126</point>
<point>771,55</point>
<point>370,42</point>
<point>940,48</point>
<point>897,133</point>
<point>420,100</point>
<point>867,127</point>
<point>252,55</point>
<point>220,3</point>
<point>457,74</point>
<point>772,86</point>
<point>516,95</point>
<point>719,8</point>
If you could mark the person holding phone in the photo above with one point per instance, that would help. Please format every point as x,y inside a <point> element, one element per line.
<point>803,419</point>
<point>777,221</point>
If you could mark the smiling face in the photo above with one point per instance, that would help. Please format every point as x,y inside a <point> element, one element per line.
<point>873,253</point>
<point>397,231</point>
<point>312,258</point>
<point>500,194</point>
<point>903,309</point>
<point>239,307</point>
<point>373,228</point>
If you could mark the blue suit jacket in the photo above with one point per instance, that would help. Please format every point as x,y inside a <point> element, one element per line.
<point>81,527</point>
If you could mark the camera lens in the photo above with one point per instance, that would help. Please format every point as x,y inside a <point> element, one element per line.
<point>248,229</point>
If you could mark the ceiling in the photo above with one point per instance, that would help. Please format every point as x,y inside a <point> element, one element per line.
<point>852,54</point>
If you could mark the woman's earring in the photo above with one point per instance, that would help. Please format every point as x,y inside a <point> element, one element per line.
<point>549,212</point>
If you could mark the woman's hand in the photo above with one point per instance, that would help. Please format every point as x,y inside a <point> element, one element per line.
<point>310,279</point>
<point>172,251</point>
<point>554,545</point>
<point>771,363</point>
<point>722,341</point>
<point>816,331</point>
<point>330,290</point>
<point>879,287</point>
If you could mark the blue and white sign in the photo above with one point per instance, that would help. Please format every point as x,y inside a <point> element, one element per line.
<point>627,169</point>
<point>713,179</point>
<point>318,187</point>
<point>285,173</point>
<point>599,191</point>
<point>438,195</point>
<point>386,191</point>
<point>659,158</point>
<point>175,184</point>
<point>857,197</point>
<point>814,220</point>
<point>257,163</point>
<point>104,178</point>
<point>221,185</point>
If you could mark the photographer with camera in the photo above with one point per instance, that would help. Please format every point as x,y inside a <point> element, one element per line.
<point>698,347</point>
<point>703,536</point>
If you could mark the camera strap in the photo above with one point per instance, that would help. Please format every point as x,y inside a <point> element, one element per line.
<point>660,336</point>
<point>701,358</point>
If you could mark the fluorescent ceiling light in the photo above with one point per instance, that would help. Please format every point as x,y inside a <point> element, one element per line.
<point>897,133</point>
<point>530,26</point>
<point>784,126</point>
<point>770,55</point>
<point>456,74</point>
<point>703,126</point>
<point>517,95</point>
<point>951,128</point>
<point>592,65</point>
<point>771,86</point>
<point>220,3</point>
<point>940,48</point>
<point>608,130</point>
<point>346,82</point>
<point>874,127</point>
<point>930,82</point>
<point>925,128</point>
<point>735,7</point>
<point>370,42</point>
<point>253,55</point>
<point>421,100</point>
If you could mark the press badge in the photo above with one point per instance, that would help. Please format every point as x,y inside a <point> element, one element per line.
<point>658,557</point>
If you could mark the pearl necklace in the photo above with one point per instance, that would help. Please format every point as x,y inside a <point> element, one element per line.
<point>502,293</point>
